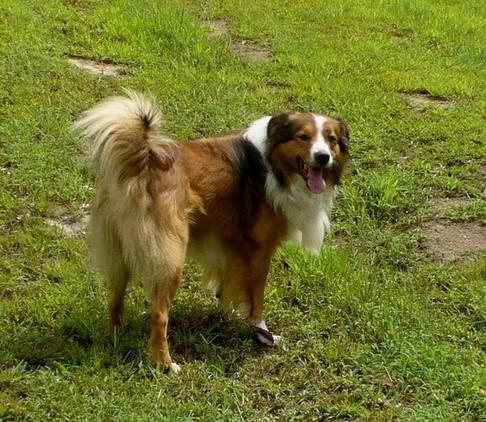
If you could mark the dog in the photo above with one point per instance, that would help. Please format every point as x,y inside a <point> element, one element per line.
<point>228,201</point>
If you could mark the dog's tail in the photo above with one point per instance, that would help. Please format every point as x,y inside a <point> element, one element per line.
<point>125,137</point>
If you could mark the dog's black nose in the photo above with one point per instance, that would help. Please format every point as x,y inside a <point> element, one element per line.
<point>321,158</point>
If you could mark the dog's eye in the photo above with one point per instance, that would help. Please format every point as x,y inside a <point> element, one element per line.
<point>303,137</point>
<point>332,138</point>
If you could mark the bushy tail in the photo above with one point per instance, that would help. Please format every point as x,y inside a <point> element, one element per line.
<point>125,137</point>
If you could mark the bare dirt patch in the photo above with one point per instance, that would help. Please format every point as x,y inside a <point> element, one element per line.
<point>217,27</point>
<point>339,241</point>
<point>252,52</point>
<point>407,155</point>
<point>95,67</point>
<point>398,34</point>
<point>447,241</point>
<point>243,48</point>
<point>77,4</point>
<point>276,87</point>
<point>442,206</point>
<point>68,224</point>
<point>419,101</point>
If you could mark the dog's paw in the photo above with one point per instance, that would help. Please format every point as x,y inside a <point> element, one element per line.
<point>174,368</point>
<point>267,338</point>
<point>166,365</point>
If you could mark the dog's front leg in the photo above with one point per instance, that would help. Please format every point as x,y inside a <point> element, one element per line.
<point>264,335</point>
<point>249,270</point>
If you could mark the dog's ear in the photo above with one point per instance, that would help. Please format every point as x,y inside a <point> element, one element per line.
<point>343,135</point>
<point>279,131</point>
<point>279,128</point>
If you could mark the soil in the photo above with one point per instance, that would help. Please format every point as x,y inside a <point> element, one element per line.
<point>243,48</point>
<point>442,205</point>
<point>252,52</point>
<point>68,224</point>
<point>448,241</point>
<point>217,27</point>
<point>95,67</point>
<point>420,100</point>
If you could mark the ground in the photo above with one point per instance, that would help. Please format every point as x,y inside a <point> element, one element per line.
<point>388,323</point>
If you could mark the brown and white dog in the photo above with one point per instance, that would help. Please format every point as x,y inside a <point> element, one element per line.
<point>229,201</point>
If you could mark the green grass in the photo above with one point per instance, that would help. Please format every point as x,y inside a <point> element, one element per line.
<point>374,328</point>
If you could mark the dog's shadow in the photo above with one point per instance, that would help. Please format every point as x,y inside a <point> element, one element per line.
<point>199,333</point>
<point>207,335</point>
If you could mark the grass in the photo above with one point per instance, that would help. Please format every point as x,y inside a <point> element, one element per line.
<point>374,328</point>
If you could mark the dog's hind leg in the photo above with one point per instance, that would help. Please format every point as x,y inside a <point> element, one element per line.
<point>107,252</point>
<point>117,283</point>
<point>118,275</point>
<point>163,280</point>
<point>162,296</point>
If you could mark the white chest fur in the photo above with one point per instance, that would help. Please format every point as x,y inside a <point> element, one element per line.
<point>307,213</point>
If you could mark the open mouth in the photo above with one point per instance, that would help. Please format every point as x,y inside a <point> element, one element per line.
<point>313,176</point>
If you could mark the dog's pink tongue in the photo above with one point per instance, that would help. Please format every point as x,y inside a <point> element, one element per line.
<point>315,181</point>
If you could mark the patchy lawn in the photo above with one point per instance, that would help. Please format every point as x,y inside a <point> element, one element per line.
<point>388,323</point>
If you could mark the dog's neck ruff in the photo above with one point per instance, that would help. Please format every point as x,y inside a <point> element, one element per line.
<point>307,214</point>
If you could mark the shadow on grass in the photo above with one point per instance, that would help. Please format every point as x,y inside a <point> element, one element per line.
<point>208,336</point>
<point>197,333</point>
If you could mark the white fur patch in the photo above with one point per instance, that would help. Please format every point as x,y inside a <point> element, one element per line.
<point>307,213</point>
<point>174,368</point>
<point>257,133</point>
<point>261,324</point>
<point>320,145</point>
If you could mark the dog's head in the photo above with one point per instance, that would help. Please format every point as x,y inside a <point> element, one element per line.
<point>307,145</point>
